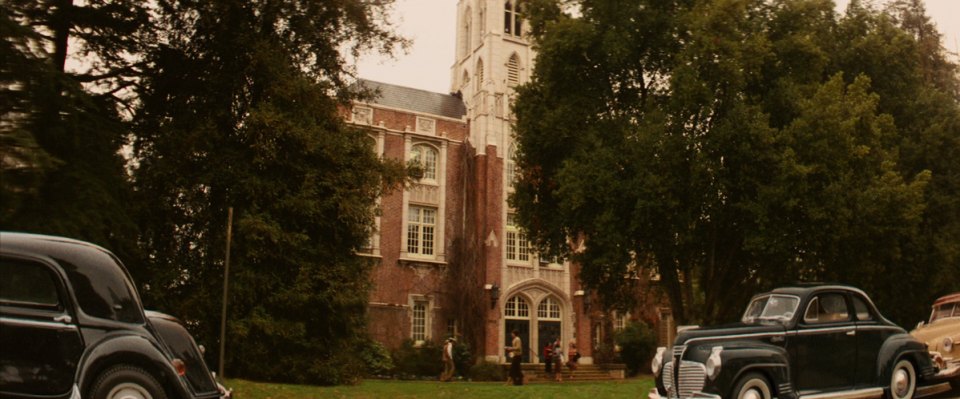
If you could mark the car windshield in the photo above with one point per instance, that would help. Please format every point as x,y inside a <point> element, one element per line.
<point>779,308</point>
<point>944,311</point>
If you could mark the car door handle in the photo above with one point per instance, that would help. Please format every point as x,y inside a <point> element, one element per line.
<point>65,319</point>
<point>852,332</point>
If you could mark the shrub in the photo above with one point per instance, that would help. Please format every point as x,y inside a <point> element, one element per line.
<point>376,359</point>
<point>462,358</point>
<point>638,343</point>
<point>487,371</point>
<point>413,361</point>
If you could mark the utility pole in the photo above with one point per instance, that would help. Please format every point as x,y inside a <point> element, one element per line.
<point>226,280</point>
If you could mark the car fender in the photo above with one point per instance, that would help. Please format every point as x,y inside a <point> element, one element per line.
<point>133,350</point>
<point>900,346</point>
<point>769,360</point>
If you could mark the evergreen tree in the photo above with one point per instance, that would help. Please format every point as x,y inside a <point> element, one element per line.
<point>244,108</point>
<point>62,127</point>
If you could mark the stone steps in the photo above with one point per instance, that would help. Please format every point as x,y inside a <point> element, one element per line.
<point>536,373</point>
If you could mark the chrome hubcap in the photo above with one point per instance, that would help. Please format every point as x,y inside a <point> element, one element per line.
<point>128,391</point>
<point>901,382</point>
<point>751,394</point>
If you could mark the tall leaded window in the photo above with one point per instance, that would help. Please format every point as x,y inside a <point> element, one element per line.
<point>513,70</point>
<point>549,309</point>
<point>427,157</point>
<point>421,230</point>
<point>516,307</point>
<point>419,333</point>
<point>518,248</point>
<point>512,21</point>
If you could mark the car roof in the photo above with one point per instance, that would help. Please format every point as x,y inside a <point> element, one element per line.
<point>82,254</point>
<point>954,297</point>
<point>803,290</point>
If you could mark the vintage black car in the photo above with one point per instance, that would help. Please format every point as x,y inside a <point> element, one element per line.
<point>72,326</point>
<point>824,341</point>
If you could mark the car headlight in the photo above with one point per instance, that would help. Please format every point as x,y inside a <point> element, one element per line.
<point>657,362</point>
<point>714,363</point>
<point>948,344</point>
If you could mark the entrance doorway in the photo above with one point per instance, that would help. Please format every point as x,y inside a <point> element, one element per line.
<point>547,332</point>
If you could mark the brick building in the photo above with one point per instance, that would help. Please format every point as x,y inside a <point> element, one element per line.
<point>456,221</point>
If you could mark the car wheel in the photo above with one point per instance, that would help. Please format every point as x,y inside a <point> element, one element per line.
<point>752,386</point>
<point>903,380</point>
<point>127,382</point>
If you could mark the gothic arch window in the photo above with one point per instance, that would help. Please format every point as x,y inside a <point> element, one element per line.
<point>465,79</point>
<point>479,74</point>
<point>512,21</point>
<point>513,70</point>
<point>549,309</point>
<point>427,156</point>
<point>516,308</point>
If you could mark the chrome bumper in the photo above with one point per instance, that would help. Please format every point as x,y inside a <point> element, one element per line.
<point>654,394</point>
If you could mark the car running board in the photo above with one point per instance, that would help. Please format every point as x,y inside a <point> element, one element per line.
<point>870,393</point>
<point>932,390</point>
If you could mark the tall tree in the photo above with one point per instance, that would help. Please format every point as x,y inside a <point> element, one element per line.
<point>63,125</point>
<point>243,110</point>
<point>722,146</point>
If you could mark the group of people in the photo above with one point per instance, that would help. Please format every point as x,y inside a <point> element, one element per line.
<point>555,360</point>
<point>553,355</point>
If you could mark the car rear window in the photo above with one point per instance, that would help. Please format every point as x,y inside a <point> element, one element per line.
<point>104,291</point>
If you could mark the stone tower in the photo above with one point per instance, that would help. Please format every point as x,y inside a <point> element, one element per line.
<point>535,296</point>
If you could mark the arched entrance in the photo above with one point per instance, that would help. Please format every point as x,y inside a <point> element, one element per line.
<point>536,329</point>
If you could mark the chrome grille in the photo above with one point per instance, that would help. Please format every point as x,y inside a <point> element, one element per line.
<point>692,377</point>
<point>668,380</point>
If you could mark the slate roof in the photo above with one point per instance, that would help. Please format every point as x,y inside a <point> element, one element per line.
<point>416,100</point>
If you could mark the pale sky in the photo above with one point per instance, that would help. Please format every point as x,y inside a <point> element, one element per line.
<point>431,25</point>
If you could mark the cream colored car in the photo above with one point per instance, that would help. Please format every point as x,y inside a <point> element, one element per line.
<point>942,335</point>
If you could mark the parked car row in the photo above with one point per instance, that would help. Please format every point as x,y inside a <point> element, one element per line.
<point>72,325</point>
<point>812,342</point>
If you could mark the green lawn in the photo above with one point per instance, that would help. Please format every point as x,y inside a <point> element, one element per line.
<point>634,388</point>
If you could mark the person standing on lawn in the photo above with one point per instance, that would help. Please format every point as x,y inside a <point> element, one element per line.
<point>448,367</point>
<point>516,356</point>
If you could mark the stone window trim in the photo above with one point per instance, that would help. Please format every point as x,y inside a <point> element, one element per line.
<point>429,155</point>
<point>439,247</point>
<point>516,248</point>
<point>421,318</point>
<point>512,18</point>
<point>421,231</point>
